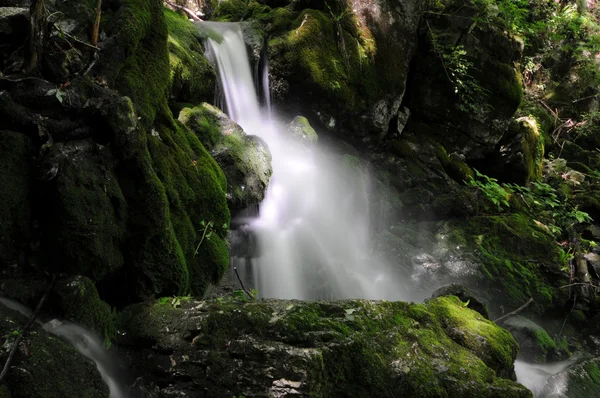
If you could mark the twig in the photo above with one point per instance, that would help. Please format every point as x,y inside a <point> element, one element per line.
<point>189,12</point>
<point>521,308</point>
<point>76,40</point>
<point>97,24</point>
<point>15,346</point>
<point>242,284</point>
<point>567,317</point>
<point>580,283</point>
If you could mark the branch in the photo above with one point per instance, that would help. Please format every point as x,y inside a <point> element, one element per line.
<point>15,346</point>
<point>241,284</point>
<point>97,24</point>
<point>515,312</point>
<point>189,12</point>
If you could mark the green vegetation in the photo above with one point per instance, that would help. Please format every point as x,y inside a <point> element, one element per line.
<point>353,347</point>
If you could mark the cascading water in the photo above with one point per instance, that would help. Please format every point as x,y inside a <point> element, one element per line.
<point>313,225</point>
<point>82,340</point>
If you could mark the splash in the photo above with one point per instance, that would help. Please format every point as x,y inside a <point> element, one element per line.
<point>312,229</point>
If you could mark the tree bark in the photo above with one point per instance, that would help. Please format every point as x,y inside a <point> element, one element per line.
<point>36,36</point>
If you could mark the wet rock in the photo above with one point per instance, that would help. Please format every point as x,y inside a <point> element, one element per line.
<point>44,365</point>
<point>300,128</point>
<point>534,342</point>
<point>580,380</point>
<point>359,348</point>
<point>245,159</point>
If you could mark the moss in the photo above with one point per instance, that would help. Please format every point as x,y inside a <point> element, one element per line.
<point>47,366</point>
<point>15,180</point>
<point>192,77</point>
<point>350,348</point>
<point>517,258</point>
<point>204,124</point>
<point>507,82</point>
<point>78,301</point>
<point>168,178</point>
<point>350,80</point>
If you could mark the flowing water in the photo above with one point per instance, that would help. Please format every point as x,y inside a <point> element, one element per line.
<point>84,341</point>
<point>312,228</point>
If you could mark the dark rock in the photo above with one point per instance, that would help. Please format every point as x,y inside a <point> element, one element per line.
<point>44,365</point>
<point>534,342</point>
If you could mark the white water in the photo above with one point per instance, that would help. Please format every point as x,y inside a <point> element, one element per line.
<point>314,222</point>
<point>84,341</point>
<point>541,379</point>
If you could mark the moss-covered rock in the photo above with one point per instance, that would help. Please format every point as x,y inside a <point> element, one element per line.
<point>16,164</point>
<point>517,260</point>
<point>301,129</point>
<point>350,348</point>
<point>245,159</point>
<point>345,65</point>
<point>77,299</point>
<point>520,152</point>
<point>45,366</point>
<point>534,342</point>
<point>192,77</point>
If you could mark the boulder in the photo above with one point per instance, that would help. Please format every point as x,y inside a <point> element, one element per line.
<point>245,159</point>
<point>301,129</point>
<point>228,347</point>
<point>519,153</point>
<point>534,342</point>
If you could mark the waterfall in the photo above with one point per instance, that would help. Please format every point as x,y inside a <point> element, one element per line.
<point>84,341</point>
<point>313,225</point>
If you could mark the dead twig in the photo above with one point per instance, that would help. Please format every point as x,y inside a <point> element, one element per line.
<point>242,284</point>
<point>95,30</point>
<point>177,7</point>
<point>30,322</point>
<point>521,308</point>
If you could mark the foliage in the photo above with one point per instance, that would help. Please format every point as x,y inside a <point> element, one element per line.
<point>207,231</point>
<point>458,67</point>
<point>490,188</point>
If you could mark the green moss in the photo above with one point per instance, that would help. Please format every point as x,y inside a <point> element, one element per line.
<point>164,169</point>
<point>192,77</point>
<point>47,366</point>
<point>78,301</point>
<point>15,175</point>
<point>204,124</point>
<point>516,258</point>
<point>350,348</point>
<point>507,82</point>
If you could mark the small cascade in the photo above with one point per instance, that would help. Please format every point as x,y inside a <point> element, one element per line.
<point>312,228</point>
<point>84,341</point>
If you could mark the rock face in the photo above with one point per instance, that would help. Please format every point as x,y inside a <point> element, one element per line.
<point>350,348</point>
<point>468,111</point>
<point>535,343</point>
<point>44,365</point>
<point>342,63</point>
<point>98,178</point>
<point>245,159</point>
